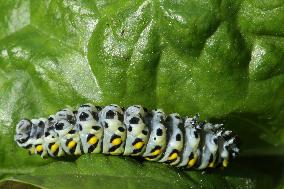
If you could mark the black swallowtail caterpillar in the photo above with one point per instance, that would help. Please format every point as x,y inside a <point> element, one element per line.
<point>183,142</point>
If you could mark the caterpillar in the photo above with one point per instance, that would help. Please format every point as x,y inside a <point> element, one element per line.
<point>152,135</point>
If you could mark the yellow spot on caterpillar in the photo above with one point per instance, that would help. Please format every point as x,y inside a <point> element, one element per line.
<point>93,140</point>
<point>32,150</point>
<point>211,164</point>
<point>116,142</point>
<point>54,147</point>
<point>156,152</point>
<point>173,156</point>
<point>39,148</point>
<point>225,163</point>
<point>138,145</point>
<point>192,161</point>
<point>71,144</point>
<point>147,158</point>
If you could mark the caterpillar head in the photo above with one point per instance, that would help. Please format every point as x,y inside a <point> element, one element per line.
<point>23,131</point>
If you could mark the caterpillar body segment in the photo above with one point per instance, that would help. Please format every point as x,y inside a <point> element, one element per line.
<point>111,117</point>
<point>137,130</point>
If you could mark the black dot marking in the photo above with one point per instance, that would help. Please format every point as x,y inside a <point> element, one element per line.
<point>120,117</point>
<point>72,150</point>
<point>169,118</point>
<point>28,146</point>
<point>191,156</point>
<point>80,127</point>
<point>90,136</point>
<point>110,114</point>
<point>114,137</point>
<point>113,148</point>
<point>136,106</point>
<point>95,115</point>
<point>154,138</point>
<point>159,132</point>
<point>23,140</point>
<point>156,148</point>
<point>39,135</point>
<point>99,108</point>
<point>75,112</point>
<point>68,140</point>
<point>178,137</point>
<point>174,151</point>
<point>123,108</point>
<point>211,158</point>
<point>72,132</point>
<point>134,120</point>
<point>96,128</point>
<point>145,109</point>
<point>46,134</point>
<point>85,105</point>
<point>41,124</point>
<point>177,117</point>
<point>91,149</point>
<point>162,120</point>
<point>57,150</point>
<point>195,134</point>
<point>59,126</point>
<point>227,147</point>
<point>136,141</point>
<point>215,140</point>
<point>135,151</point>
<point>106,125</point>
<point>70,118</point>
<point>83,116</point>
<point>144,132</point>
<point>121,129</point>
<point>129,128</point>
<point>50,119</point>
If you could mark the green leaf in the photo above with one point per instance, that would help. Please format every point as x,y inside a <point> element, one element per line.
<point>223,59</point>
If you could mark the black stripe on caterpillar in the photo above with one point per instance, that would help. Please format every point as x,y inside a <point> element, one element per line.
<point>153,135</point>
